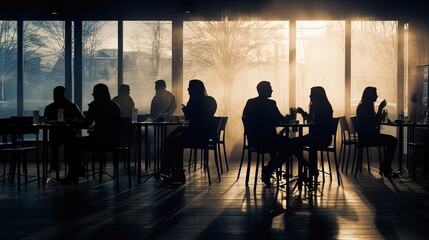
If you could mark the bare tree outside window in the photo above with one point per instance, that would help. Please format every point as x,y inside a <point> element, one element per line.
<point>231,57</point>
<point>224,51</point>
<point>147,57</point>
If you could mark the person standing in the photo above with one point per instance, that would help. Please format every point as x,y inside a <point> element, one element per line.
<point>125,101</point>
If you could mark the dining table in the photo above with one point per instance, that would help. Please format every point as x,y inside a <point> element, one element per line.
<point>409,127</point>
<point>160,132</point>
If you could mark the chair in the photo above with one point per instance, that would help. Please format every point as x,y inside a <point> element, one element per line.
<point>332,148</point>
<point>348,140</point>
<point>205,147</point>
<point>13,131</point>
<point>221,142</point>
<point>249,144</point>
<point>119,149</point>
<point>359,151</point>
<point>416,146</point>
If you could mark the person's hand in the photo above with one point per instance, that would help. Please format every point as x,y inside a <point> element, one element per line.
<point>184,108</point>
<point>382,105</point>
<point>300,110</point>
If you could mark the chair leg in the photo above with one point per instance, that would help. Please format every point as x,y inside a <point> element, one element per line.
<point>358,160</point>
<point>206,157</point>
<point>217,148</point>
<point>225,156</point>
<point>241,163</point>
<point>329,164</point>
<point>249,158</point>
<point>342,148</point>
<point>257,170</point>
<point>322,163</point>
<point>217,160</point>
<point>337,168</point>
<point>18,166</point>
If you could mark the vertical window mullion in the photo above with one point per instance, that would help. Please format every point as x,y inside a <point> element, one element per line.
<point>348,69</point>
<point>120,52</point>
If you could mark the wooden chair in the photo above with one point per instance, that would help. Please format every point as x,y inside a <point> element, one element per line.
<point>358,154</point>
<point>332,148</point>
<point>348,140</point>
<point>221,142</point>
<point>13,131</point>
<point>205,147</point>
<point>121,148</point>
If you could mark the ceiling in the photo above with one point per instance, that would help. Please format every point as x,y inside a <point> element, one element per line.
<point>215,9</point>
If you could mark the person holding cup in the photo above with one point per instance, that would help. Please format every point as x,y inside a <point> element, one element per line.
<point>61,109</point>
<point>369,128</point>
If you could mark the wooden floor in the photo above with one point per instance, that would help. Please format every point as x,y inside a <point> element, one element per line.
<point>368,207</point>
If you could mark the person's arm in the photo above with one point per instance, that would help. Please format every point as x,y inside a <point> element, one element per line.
<point>173,105</point>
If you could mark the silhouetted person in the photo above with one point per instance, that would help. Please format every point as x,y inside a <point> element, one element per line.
<point>103,116</point>
<point>319,136</point>
<point>369,128</point>
<point>125,101</point>
<point>199,111</point>
<point>72,113</point>
<point>263,116</point>
<point>164,102</point>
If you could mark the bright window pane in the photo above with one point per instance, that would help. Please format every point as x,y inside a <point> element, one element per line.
<point>99,57</point>
<point>231,57</point>
<point>147,58</point>
<point>8,68</point>
<point>43,62</point>
<point>320,61</point>
<point>374,61</point>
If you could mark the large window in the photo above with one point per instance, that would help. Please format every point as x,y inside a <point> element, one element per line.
<point>99,57</point>
<point>8,68</point>
<point>43,45</point>
<point>320,61</point>
<point>147,58</point>
<point>231,57</point>
<point>374,61</point>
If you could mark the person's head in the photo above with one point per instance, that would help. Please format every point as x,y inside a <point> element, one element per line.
<point>124,89</point>
<point>196,87</point>
<point>318,94</point>
<point>101,92</point>
<point>369,95</point>
<point>60,94</point>
<point>160,85</point>
<point>264,89</point>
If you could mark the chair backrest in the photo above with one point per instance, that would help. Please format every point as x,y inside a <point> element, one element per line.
<point>222,129</point>
<point>353,119</point>
<point>217,125</point>
<point>125,130</point>
<point>251,139</point>
<point>334,129</point>
<point>345,129</point>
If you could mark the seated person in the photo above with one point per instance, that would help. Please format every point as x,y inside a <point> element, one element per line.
<point>125,101</point>
<point>104,116</point>
<point>369,129</point>
<point>71,113</point>
<point>262,116</point>
<point>199,111</point>
<point>164,102</point>
<point>319,136</point>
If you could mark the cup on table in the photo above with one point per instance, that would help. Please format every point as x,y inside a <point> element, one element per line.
<point>60,115</point>
<point>36,117</point>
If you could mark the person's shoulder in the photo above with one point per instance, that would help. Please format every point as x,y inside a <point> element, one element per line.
<point>50,105</point>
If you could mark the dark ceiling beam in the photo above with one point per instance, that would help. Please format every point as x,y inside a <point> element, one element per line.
<point>215,9</point>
